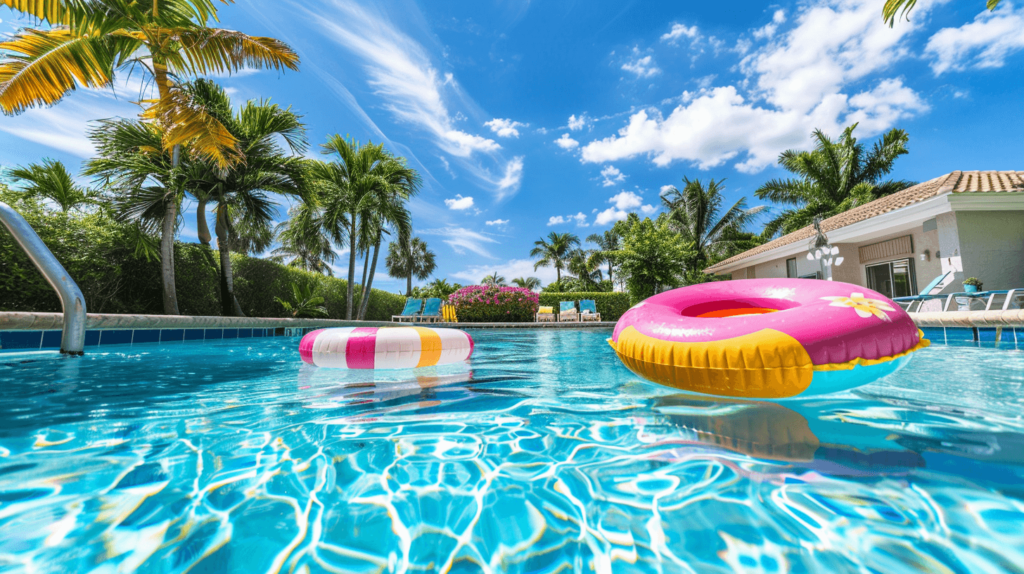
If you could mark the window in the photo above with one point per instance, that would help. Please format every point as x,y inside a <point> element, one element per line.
<point>892,279</point>
<point>791,268</point>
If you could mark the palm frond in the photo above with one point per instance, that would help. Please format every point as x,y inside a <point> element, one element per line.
<point>40,67</point>
<point>189,124</point>
<point>206,50</point>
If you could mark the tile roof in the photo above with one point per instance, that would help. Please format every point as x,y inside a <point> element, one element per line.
<point>955,182</point>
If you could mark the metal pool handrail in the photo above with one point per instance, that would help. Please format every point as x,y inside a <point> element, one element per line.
<point>73,339</point>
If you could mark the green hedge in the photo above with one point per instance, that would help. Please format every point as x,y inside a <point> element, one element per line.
<point>259,281</point>
<point>93,247</point>
<point>611,306</point>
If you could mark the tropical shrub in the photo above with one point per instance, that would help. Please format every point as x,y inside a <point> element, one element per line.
<point>611,306</point>
<point>493,304</point>
<point>652,256</point>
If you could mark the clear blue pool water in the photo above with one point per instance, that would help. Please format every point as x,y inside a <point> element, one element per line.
<point>542,455</point>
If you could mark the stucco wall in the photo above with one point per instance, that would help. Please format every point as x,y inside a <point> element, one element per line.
<point>992,247</point>
<point>924,271</point>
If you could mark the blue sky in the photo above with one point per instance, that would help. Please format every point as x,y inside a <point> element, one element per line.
<point>527,117</point>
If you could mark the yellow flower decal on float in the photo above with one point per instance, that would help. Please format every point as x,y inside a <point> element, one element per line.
<point>862,305</point>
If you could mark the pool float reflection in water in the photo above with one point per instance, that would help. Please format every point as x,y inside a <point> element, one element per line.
<point>385,348</point>
<point>766,338</point>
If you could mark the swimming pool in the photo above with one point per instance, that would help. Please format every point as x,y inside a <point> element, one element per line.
<point>543,455</point>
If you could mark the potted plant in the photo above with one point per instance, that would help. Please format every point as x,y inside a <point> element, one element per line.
<point>972,285</point>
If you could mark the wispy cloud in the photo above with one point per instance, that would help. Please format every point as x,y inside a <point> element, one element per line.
<point>402,73</point>
<point>510,270</point>
<point>461,239</point>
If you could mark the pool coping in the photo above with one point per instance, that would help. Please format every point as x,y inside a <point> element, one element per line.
<point>24,321</point>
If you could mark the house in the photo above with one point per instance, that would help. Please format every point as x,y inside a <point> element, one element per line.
<point>970,222</point>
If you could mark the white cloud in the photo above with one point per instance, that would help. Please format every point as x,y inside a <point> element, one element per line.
<point>459,203</point>
<point>510,270</point>
<point>626,200</point>
<point>505,128</point>
<point>612,176</point>
<point>513,175</point>
<point>462,240</point>
<point>665,189</point>
<point>623,203</point>
<point>983,43</point>
<point>497,222</point>
<point>580,219</point>
<point>797,79</point>
<point>642,67</point>
<point>679,31</point>
<point>578,123</point>
<point>768,30</point>
<point>565,142</point>
<point>881,107</point>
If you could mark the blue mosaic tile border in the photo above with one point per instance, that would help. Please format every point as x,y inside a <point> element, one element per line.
<point>50,340</point>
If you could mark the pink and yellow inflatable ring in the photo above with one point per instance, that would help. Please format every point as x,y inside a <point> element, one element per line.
<point>766,338</point>
<point>385,348</point>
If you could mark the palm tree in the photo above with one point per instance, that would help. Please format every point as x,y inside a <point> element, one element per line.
<point>364,185</point>
<point>52,181</point>
<point>531,283</point>
<point>441,288</point>
<point>904,6</point>
<point>410,258</point>
<point>304,244</point>
<point>554,252</point>
<point>832,178</point>
<point>493,280</point>
<point>245,209</point>
<point>585,266</point>
<point>87,43</point>
<point>607,243</point>
<point>696,214</point>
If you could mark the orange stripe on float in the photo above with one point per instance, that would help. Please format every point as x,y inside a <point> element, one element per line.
<point>430,347</point>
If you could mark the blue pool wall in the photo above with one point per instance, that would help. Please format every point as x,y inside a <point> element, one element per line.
<point>50,339</point>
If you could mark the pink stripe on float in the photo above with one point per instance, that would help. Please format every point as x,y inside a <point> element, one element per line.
<point>306,346</point>
<point>362,342</point>
<point>470,346</point>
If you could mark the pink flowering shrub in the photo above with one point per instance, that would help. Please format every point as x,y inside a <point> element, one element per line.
<point>486,304</point>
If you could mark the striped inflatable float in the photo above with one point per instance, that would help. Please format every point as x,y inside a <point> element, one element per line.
<point>385,348</point>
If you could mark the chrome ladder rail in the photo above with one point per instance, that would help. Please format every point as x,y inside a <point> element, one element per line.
<point>72,341</point>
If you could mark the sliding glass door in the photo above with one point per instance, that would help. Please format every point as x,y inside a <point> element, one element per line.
<point>892,279</point>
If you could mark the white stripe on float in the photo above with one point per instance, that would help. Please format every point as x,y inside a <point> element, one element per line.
<point>329,348</point>
<point>397,348</point>
<point>454,346</point>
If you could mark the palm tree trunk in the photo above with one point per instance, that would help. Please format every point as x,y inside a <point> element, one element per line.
<point>366,289</point>
<point>201,225</point>
<point>408,283</point>
<point>366,266</point>
<point>610,270</point>
<point>558,274</point>
<point>163,84</point>
<point>167,246</point>
<point>351,268</point>
<point>228,304</point>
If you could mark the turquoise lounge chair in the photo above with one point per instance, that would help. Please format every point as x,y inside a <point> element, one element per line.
<point>567,311</point>
<point>412,309</point>
<point>926,293</point>
<point>588,310</point>
<point>431,311</point>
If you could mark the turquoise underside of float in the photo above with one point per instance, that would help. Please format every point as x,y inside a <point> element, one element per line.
<point>827,382</point>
